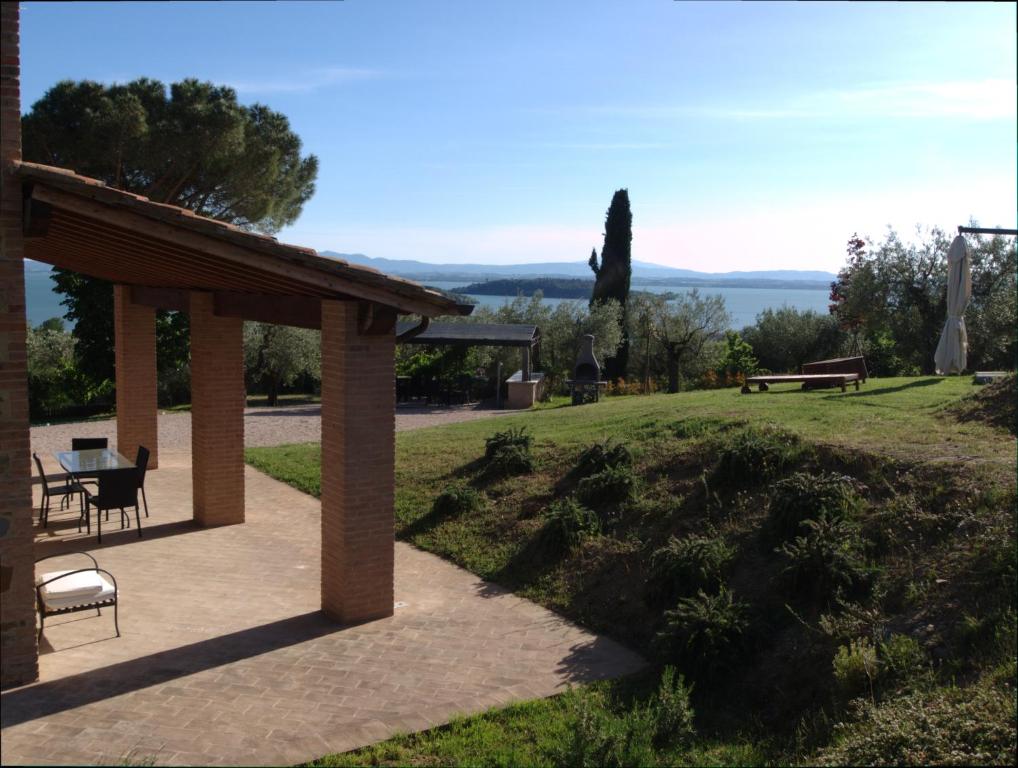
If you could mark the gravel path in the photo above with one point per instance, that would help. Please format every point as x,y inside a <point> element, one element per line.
<point>262,426</point>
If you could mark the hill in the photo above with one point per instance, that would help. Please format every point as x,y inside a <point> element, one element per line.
<point>835,572</point>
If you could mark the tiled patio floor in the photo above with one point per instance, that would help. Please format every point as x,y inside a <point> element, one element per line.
<point>224,658</point>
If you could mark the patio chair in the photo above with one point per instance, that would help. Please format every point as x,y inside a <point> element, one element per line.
<point>89,443</point>
<point>65,491</point>
<point>77,590</point>
<point>141,462</point>
<point>118,489</point>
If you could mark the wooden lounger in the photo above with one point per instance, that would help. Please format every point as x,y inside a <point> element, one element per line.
<point>809,380</point>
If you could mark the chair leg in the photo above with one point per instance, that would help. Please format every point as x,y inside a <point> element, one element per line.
<point>144,500</point>
<point>116,621</point>
<point>137,516</point>
<point>99,525</point>
<point>42,622</point>
<point>42,508</point>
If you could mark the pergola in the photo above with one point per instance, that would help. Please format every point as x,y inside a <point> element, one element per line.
<point>164,257</point>
<point>527,338</point>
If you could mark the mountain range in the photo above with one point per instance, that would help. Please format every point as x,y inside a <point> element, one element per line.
<point>642,270</point>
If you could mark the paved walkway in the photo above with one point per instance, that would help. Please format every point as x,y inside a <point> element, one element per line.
<point>225,659</point>
<point>262,426</point>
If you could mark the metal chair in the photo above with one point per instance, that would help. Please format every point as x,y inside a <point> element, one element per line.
<point>141,462</point>
<point>89,443</point>
<point>78,590</point>
<point>118,489</point>
<point>68,489</point>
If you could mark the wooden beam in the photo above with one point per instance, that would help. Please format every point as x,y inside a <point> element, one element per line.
<point>36,218</point>
<point>300,311</point>
<point>248,258</point>
<point>175,299</point>
<point>375,320</point>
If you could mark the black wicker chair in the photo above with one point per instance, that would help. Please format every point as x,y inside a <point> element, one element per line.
<point>118,489</point>
<point>77,590</point>
<point>89,443</point>
<point>65,492</point>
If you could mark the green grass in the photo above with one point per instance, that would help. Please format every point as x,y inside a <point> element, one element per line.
<point>922,476</point>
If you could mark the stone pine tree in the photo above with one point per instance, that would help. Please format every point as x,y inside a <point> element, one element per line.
<point>613,274</point>
<point>192,145</point>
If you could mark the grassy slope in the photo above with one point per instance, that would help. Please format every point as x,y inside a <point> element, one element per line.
<point>886,436</point>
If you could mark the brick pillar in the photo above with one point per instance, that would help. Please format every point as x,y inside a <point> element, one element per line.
<point>217,414</point>
<point>137,397</point>
<point>358,466</point>
<point>19,652</point>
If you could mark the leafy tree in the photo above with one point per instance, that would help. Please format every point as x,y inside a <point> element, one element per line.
<point>738,357</point>
<point>614,273</point>
<point>897,291</point>
<point>683,328</point>
<point>783,339</point>
<point>275,355</point>
<point>195,147</point>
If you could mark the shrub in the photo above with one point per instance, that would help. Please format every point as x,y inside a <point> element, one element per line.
<point>901,659</point>
<point>510,460</point>
<point>752,456</point>
<point>610,486</point>
<point>601,456</point>
<point>943,726</point>
<point>683,566</point>
<point>515,438</point>
<point>600,737</point>
<point>702,632</point>
<point>671,711</point>
<point>825,561</point>
<point>855,669</point>
<point>568,523</point>
<point>456,500</point>
<point>803,496</point>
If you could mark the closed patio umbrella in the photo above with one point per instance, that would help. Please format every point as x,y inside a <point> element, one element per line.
<point>952,351</point>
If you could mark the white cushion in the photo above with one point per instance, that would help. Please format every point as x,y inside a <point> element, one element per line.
<point>79,589</point>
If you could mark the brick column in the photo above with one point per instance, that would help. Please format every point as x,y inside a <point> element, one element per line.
<point>19,652</point>
<point>137,396</point>
<point>358,466</point>
<point>217,414</point>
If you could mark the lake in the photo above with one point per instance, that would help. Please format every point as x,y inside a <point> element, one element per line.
<point>743,304</point>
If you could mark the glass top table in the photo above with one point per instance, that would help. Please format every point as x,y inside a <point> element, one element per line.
<point>92,461</point>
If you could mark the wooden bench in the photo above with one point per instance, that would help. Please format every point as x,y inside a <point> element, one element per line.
<point>809,380</point>
<point>856,365</point>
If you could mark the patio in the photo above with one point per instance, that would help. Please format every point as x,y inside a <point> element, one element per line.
<point>226,657</point>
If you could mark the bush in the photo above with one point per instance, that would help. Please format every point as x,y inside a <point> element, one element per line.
<point>944,726</point>
<point>902,659</point>
<point>456,500</point>
<point>825,561</point>
<point>511,438</point>
<point>510,460</point>
<point>600,737</point>
<point>601,456</point>
<point>703,632</point>
<point>855,669</point>
<point>610,486</point>
<point>569,522</point>
<point>804,496</point>
<point>672,713</point>
<point>753,456</point>
<point>684,566</point>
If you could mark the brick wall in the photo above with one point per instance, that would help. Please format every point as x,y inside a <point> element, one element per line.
<point>217,414</point>
<point>137,396</point>
<point>19,657</point>
<point>358,465</point>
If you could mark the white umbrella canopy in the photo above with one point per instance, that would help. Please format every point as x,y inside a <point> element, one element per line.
<point>952,351</point>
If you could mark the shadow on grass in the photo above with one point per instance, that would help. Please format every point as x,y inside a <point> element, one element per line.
<point>887,390</point>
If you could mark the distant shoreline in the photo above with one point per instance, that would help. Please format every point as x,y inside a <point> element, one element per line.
<point>567,288</point>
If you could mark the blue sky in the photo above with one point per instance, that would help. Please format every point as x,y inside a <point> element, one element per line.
<point>749,135</point>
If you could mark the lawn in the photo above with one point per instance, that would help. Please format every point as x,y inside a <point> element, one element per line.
<point>709,474</point>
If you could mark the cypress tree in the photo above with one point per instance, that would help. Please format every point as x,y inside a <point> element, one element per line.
<point>614,273</point>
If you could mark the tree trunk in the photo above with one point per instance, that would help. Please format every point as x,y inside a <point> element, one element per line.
<point>673,371</point>
<point>272,396</point>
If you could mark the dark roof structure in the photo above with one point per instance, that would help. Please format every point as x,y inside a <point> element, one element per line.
<point>81,224</point>
<point>473,334</point>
